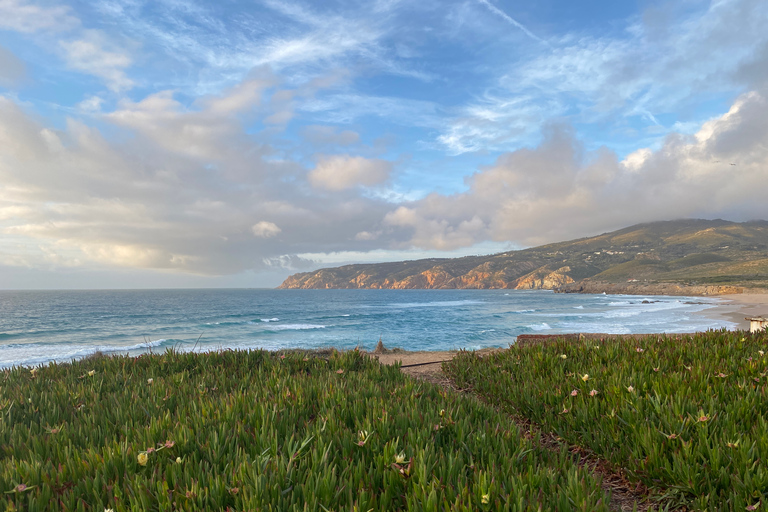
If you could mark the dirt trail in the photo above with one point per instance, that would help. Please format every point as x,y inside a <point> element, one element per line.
<point>427,366</point>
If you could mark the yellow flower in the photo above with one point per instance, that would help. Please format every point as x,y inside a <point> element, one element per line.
<point>442,412</point>
<point>485,499</point>
<point>178,460</point>
<point>400,458</point>
<point>585,377</point>
<point>33,371</point>
<point>563,356</point>
<point>761,352</point>
<point>143,458</point>
<point>92,373</point>
<point>108,510</point>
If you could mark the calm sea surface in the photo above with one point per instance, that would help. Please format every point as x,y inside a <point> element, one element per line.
<point>40,326</point>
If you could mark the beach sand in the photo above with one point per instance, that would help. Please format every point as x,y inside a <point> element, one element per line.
<point>735,308</point>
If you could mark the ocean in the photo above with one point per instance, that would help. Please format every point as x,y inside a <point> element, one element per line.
<point>37,327</point>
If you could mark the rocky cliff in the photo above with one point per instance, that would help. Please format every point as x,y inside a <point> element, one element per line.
<point>686,257</point>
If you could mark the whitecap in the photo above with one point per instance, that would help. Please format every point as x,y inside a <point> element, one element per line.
<point>297,327</point>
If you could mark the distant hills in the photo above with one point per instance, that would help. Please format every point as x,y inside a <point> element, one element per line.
<point>681,257</point>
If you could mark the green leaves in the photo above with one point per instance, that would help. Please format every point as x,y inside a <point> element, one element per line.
<point>685,415</point>
<point>256,430</point>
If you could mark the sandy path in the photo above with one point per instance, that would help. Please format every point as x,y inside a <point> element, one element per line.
<point>426,366</point>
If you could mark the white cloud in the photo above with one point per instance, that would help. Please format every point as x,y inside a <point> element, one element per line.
<point>91,55</point>
<point>23,16</point>
<point>367,235</point>
<point>265,229</point>
<point>91,104</point>
<point>340,172</point>
<point>174,188</point>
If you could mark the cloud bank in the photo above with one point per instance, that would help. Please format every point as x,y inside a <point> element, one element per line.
<point>217,139</point>
<point>560,191</point>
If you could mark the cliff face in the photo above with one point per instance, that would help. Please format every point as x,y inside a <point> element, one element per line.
<point>689,257</point>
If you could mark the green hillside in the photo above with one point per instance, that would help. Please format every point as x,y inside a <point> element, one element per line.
<point>683,253</point>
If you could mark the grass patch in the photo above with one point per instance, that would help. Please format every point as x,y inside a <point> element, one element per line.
<point>685,415</point>
<point>263,431</point>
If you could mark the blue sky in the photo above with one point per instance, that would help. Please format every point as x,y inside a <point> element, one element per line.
<point>231,143</point>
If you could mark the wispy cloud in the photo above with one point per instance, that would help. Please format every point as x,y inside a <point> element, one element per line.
<point>509,19</point>
<point>90,55</point>
<point>655,67</point>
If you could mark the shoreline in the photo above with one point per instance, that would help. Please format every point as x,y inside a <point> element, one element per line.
<point>735,307</point>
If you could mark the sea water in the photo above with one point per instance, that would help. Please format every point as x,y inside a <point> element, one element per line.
<point>41,326</point>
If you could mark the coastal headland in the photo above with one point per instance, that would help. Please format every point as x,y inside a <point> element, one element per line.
<point>683,257</point>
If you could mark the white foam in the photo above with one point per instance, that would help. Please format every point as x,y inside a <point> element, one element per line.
<point>297,327</point>
<point>138,346</point>
<point>543,326</point>
<point>32,353</point>
<point>578,307</point>
<point>438,304</point>
<point>270,319</point>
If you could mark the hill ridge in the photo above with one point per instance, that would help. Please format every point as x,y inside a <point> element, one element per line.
<point>679,257</point>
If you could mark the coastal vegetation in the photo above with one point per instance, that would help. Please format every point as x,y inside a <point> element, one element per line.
<point>236,430</point>
<point>683,257</point>
<point>686,416</point>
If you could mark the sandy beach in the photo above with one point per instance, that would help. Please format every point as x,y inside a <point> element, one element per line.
<point>736,307</point>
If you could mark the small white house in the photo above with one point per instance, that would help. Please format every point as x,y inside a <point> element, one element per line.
<point>757,323</point>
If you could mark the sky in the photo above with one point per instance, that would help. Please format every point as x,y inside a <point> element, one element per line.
<point>180,143</point>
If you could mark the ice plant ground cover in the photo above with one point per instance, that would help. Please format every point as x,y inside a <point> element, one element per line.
<point>685,415</point>
<point>262,431</point>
